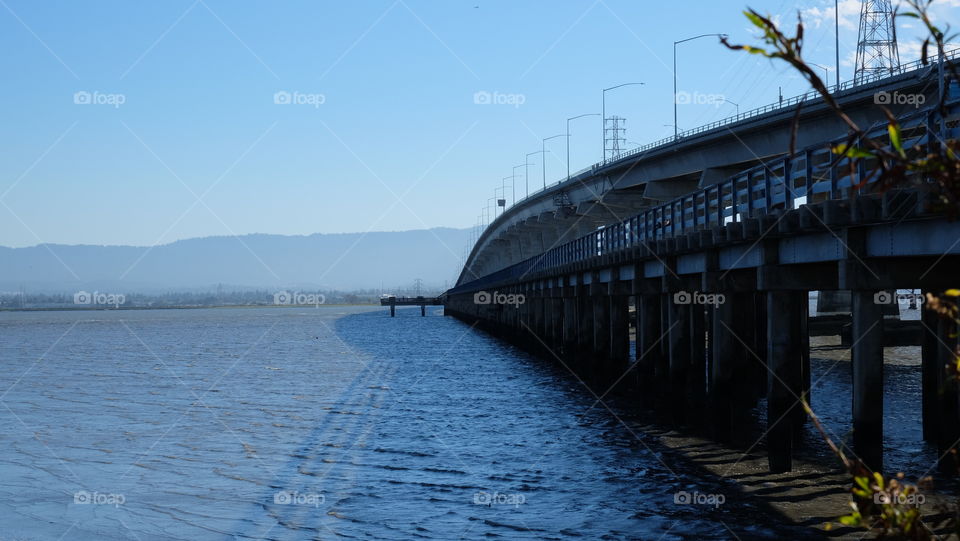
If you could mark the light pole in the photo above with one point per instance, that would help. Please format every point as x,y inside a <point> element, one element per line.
<point>737,105</point>
<point>826,73</point>
<point>675,43</point>
<point>568,137</point>
<point>836,30</point>
<point>603,116</point>
<point>497,200</point>
<point>515,182</point>
<point>504,192</point>
<point>543,159</point>
<point>526,170</point>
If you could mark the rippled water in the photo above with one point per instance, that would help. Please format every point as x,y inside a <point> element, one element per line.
<point>322,424</point>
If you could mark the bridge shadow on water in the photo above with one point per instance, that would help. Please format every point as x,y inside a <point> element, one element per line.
<point>657,466</point>
<point>435,412</point>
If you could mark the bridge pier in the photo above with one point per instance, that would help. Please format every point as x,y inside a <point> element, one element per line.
<point>619,335</point>
<point>569,301</point>
<point>679,336</point>
<point>784,379</point>
<point>585,323</point>
<point>648,343</point>
<point>949,408</point>
<point>556,330</point>
<point>723,348</point>
<point>601,325</point>
<point>867,356</point>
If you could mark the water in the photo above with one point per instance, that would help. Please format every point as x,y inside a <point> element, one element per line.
<point>329,423</point>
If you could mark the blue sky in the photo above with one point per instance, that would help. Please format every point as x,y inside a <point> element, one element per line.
<point>199,147</point>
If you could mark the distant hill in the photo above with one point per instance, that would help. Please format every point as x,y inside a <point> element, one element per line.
<point>344,261</point>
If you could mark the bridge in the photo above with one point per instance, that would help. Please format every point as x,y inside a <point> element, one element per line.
<point>705,247</point>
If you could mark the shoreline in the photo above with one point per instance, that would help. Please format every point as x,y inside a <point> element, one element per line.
<point>175,307</point>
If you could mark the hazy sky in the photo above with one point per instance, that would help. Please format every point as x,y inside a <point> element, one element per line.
<point>184,138</point>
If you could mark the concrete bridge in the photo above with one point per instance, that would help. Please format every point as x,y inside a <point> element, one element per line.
<point>610,191</point>
<point>714,283</point>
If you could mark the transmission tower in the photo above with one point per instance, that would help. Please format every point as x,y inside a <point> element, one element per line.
<point>877,53</point>
<point>418,286</point>
<point>614,134</point>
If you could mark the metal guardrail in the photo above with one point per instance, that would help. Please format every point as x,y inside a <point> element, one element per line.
<point>811,174</point>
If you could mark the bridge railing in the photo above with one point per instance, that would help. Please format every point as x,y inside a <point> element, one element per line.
<point>789,102</point>
<point>812,175</point>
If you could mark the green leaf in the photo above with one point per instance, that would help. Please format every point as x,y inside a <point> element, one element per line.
<point>894,130</point>
<point>755,19</point>
<point>850,520</point>
<point>851,152</point>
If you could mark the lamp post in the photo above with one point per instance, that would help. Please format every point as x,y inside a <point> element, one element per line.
<point>836,30</point>
<point>515,175</point>
<point>543,159</point>
<point>737,105</point>
<point>568,137</point>
<point>675,43</point>
<point>826,73</point>
<point>504,192</point>
<point>603,116</point>
<point>526,170</point>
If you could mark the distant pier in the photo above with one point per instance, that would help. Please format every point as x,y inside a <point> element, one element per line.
<point>420,301</point>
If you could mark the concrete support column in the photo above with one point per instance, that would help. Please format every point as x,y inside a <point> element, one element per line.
<point>783,384</point>
<point>949,414</point>
<point>619,334</point>
<point>723,350</point>
<point>601,327</point>
<point>556,333</point>
<point>697,380</point>
<point>929,378</point>
<point>648,342</point>
<point>569,301</point>
<point>679,337</point>
<point>584,324</point>
<point>867,354</point>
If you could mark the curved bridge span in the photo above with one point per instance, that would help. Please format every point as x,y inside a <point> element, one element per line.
<point>713,284</point>
<point>613,191</point>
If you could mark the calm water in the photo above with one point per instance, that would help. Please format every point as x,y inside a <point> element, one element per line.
<point>323,423</point>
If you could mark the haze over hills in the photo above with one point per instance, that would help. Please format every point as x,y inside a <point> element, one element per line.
<point>345,261</point>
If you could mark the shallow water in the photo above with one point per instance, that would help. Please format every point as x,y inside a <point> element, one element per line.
<point>329,423</point>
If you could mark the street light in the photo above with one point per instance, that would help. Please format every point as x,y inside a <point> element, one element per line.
<point>526,169</point>
<point>836,33</point>
<point>826,73</point>
<point>504,192</point>
<point>568,137</point>
<point>603,116</point>
<point>543,159</point>
<point>675,43</point>
<point>515,182</point>
<point>737,105</point>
